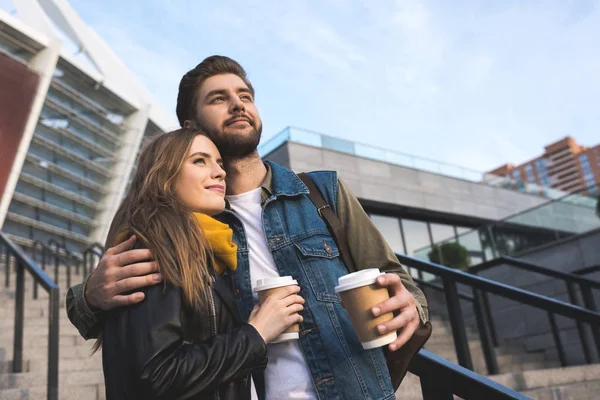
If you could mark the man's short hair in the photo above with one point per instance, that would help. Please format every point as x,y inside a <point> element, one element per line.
<point>193,79</point>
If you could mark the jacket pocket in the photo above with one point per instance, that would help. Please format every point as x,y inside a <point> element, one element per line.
<point>320,260</point>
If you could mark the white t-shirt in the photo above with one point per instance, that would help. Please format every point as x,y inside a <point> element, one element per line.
<point>287,375</point>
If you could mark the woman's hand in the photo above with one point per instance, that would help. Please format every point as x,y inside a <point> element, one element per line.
<point>277,313</point>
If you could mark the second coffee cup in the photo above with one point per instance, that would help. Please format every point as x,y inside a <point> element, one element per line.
<point>360,293</point>
<point>267,287</point>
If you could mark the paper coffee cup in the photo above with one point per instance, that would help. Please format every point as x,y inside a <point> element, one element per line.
<point>360,293</point>
<point>268,286</point>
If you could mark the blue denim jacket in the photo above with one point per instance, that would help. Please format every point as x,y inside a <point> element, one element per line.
<point>303,248</point>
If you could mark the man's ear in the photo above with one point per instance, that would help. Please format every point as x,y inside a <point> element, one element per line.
<point>187,124</point>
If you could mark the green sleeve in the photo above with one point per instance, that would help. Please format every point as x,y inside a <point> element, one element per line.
<point>369,248</point>
<point>81,316</point>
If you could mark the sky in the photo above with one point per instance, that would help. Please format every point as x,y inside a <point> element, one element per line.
<point>473,83</point>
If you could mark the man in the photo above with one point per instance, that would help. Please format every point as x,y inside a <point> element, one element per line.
<point>279,232</point>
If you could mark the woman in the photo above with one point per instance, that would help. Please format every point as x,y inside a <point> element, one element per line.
<point>185,340</point>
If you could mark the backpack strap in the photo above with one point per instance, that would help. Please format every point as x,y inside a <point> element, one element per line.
<point>331,219</point>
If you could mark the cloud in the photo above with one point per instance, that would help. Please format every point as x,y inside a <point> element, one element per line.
<point>473,83</point>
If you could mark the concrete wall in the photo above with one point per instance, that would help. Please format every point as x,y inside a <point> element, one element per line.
<point>388,183</point>
<point>529,326</point>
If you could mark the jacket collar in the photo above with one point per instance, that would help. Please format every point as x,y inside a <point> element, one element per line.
<point>283,181</point>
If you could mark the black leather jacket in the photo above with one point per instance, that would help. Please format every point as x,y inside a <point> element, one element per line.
<point>161,349</point>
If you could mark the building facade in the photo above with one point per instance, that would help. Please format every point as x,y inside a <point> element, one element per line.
<point>71,124</point>
<point>417,208</point>
<point>565,165</point>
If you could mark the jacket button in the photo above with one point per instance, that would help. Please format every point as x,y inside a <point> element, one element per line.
<point>236,292</point>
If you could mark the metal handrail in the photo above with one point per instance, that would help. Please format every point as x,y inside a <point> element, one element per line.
<point>570,280</point>
<point>441,379</point>
<point>481,287</point>
<point>515,262</point>
<point>94,249</point>
<point>23,262</point>
<point>587,270</point>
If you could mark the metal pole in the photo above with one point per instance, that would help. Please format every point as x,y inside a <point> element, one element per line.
<point>53,332</point>
<point>68,265</point>
<point>7,270</point>
<point>490,318</point>
<point>19,310</point>
<point>580,328</point>
<point>559,347</point>
<point>35,284</point>
<point>56,262</point>
<point>590,304</point>
<point>459,332</point>
<point>484,336</point>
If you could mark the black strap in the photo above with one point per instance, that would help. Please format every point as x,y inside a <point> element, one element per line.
<point>331,219</point>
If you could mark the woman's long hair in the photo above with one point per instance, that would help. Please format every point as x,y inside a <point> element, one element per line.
<point>161,223</point>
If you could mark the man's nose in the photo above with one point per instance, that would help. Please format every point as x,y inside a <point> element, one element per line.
<point>237,104</point>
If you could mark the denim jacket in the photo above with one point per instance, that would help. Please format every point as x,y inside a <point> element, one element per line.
<point>303,248</point>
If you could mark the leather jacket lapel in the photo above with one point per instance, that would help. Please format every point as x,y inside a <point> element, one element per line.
<point>226,295</point>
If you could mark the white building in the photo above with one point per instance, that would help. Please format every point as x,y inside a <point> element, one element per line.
<point>65,164</point>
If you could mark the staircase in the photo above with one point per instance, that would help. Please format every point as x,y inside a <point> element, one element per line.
<point>529,373</point>
<point>81,374</point>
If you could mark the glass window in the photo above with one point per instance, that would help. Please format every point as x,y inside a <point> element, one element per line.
<point>516,174</point>
<point>416,236</point>
<point>442,233</point>
<point>390,229</point>
<point>473,244</point>
<point>529,172</point>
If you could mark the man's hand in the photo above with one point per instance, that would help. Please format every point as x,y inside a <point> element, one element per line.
<point>402,304</point>
<point>120,271</point>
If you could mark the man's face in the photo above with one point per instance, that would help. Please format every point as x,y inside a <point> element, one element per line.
<point>226,112</point>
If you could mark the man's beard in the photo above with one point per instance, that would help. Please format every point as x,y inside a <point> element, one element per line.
<point>232,145</point>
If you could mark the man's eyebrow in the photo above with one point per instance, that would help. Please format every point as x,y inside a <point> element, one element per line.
<point>222,92</point>
<point>243,89</point>
<point>215,91</point>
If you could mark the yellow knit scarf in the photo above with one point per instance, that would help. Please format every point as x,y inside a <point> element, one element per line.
<point>220,237</point>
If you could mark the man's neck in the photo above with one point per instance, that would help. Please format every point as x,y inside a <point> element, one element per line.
<point>244,174</point>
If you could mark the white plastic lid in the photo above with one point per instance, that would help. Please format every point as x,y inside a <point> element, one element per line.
<point>274,282</point>
<point>285,337</point>
<point>381,341</point>
<point>358,279</point>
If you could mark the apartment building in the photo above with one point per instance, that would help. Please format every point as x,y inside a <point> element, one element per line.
<point>565,165</point>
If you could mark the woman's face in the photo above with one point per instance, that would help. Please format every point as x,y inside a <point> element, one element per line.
<point>200,185</point>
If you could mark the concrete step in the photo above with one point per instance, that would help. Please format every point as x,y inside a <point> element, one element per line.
<point>71,392</point>
<point>35,340</point>
<point>543,378</point>
<point>40,364</point>
<point>410,389</point>
<point>66,379</point>
<point>576,391</point>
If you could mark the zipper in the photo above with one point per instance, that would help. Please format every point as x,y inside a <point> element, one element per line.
<point>213,323</point>
<point>213,310</point>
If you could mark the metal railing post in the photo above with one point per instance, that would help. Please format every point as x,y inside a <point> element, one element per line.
<point>580,327</point>
<point>19,310</point>
<point>459,332</point>
<point>68,265</point>
<point>489,317</point>
<point>486,343</point>
<point>53,349</point>
<point>7,270</point>
<point>556,335</point>
<point>590,304</point>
